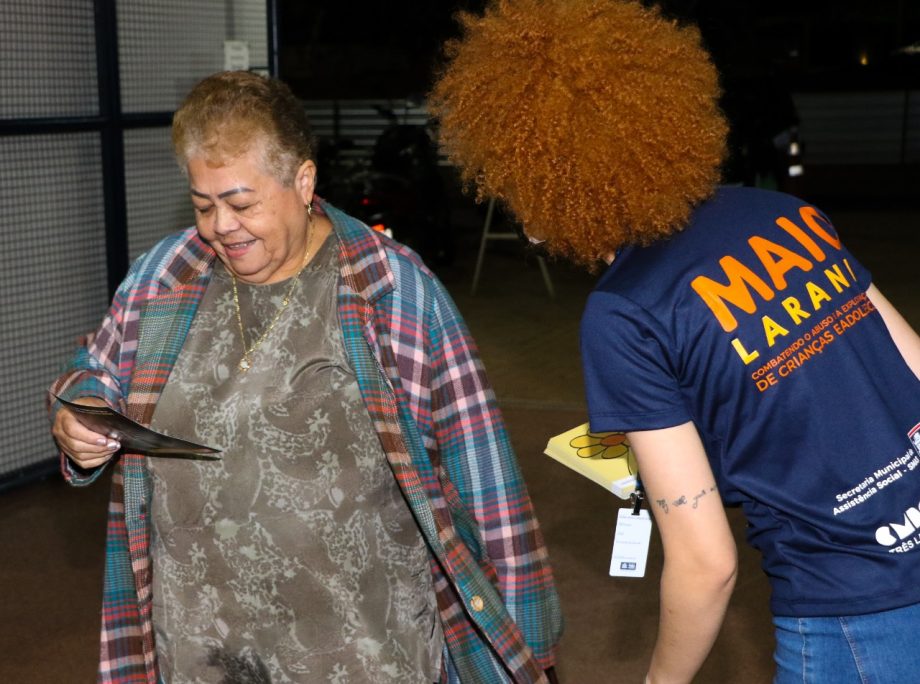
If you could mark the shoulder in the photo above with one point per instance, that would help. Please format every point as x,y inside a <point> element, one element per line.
<point>419,299</point>
<point>737,208</point>
<point>177,257</point>
<point>407,265</point>
<point>741,195</point>
<point>375,265</point>
<point>720,225</point>
<point>616,317</point>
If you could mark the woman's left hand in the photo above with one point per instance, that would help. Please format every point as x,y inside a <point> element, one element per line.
<point>86,448</point>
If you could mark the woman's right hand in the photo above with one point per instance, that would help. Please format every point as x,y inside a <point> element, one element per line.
<point>86,448</point>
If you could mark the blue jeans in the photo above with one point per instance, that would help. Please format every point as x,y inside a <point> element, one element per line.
<point>879,648</point>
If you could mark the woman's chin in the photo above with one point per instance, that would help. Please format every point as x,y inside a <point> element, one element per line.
<point>243,270</point>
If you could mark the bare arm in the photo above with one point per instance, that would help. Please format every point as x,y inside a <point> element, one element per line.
<point>905,338</point>
<point>700,558</point>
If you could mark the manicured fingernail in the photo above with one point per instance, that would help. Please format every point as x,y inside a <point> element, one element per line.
<point>102,441</point>
<point>112,444</point>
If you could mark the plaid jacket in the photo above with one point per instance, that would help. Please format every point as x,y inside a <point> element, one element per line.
<point>426,392</point>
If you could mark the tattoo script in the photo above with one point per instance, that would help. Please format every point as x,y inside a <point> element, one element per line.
<point>692,500</point>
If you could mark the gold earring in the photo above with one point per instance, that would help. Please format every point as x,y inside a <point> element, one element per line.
<point>310,209</point>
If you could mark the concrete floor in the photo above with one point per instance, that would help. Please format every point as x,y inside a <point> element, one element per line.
<point>51,536</point>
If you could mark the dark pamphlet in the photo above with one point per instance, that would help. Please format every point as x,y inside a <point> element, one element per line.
<point>133,436</point>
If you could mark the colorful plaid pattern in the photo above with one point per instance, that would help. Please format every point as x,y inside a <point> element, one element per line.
<point>426,392</point>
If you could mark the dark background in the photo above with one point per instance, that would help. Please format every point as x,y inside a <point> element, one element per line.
<point>377,48</point>
<point>765,51</point>
<point>363,48</point>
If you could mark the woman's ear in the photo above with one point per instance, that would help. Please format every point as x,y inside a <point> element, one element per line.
<point>305,181</point>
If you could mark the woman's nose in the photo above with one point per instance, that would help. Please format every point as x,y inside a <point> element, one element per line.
<point>225,221</point>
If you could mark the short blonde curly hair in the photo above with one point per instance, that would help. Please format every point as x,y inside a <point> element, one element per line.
<point>230,112</point>
<point>595,121</point>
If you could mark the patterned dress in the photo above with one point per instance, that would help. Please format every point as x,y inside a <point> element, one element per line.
<point>295,557</point>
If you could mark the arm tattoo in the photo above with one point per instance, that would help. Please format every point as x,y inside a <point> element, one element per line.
<point>683,500</point>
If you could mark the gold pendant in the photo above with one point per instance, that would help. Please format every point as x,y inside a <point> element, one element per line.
<point>244,364</point>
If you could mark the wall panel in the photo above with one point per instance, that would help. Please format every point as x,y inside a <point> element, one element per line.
<point>52,283</point>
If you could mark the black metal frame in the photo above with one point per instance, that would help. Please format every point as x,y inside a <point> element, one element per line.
<point>112,143</point>
<point>271,15</point>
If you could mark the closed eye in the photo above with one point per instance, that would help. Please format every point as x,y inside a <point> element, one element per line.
<point>242,208</point>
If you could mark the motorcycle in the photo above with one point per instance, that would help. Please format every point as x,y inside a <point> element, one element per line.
<point>399,191</point>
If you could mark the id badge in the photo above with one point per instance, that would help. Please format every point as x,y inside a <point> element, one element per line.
<point>630,543</point>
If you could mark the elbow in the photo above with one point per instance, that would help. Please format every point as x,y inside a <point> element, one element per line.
<point>716,578</point>
<point>723,573</point>
<point>717,581</point>
<point>722,568</point>
<point>728,576</point>
<point>715,572</point>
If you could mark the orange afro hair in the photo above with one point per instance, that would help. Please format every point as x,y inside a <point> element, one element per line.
<point>595,121</point>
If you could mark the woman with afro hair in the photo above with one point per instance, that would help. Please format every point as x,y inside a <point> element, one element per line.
<point>744,351</point>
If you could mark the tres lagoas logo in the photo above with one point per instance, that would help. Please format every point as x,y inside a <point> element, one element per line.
<point>903,536</point>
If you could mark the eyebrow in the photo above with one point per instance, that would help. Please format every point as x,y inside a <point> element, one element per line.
<point>226,193</point>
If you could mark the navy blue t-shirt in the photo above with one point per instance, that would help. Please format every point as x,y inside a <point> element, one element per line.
<point>754,323</point>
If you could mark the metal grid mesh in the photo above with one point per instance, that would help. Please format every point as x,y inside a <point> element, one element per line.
<point>53,280</point>
<point>49,58</point>
<point>157,192</point>
<point>166,46</point>
<point>248,22</point>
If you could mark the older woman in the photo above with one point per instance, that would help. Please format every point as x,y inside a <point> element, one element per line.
<point>367,521</point>
<point>744,350</point>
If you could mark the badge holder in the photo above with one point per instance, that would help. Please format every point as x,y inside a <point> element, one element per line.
<point>632,537</point>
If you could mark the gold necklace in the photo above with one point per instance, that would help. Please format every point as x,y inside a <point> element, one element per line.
<point>246,362</point>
